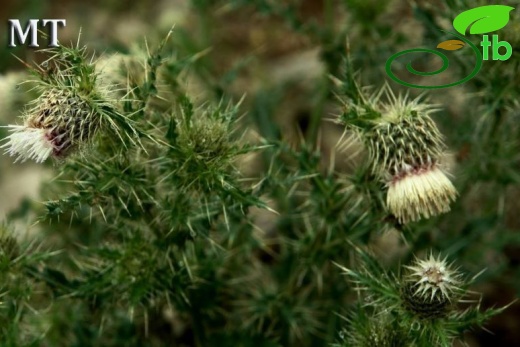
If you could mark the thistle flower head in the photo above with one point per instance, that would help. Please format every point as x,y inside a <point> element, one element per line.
<point>405,148</point>
<point>59,121</point>
<point>72,106</point>
<point>429,287</point>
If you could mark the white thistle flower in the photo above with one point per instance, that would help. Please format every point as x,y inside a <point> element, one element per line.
<point>29,143</point>
<point>417,192</point>
<point>432,278</point>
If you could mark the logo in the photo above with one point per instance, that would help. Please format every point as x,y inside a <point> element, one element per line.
<point>479,20</point>
<point>16,31</point>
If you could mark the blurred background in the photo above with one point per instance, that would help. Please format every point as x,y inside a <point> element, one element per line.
<point>281,55</point>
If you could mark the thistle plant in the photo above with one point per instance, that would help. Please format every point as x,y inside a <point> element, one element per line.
<point>198,197</point>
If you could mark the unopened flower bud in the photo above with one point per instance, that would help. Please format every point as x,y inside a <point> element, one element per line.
<point>429,287</point>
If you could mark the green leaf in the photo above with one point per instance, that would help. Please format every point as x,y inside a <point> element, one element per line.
<point>483,19</point>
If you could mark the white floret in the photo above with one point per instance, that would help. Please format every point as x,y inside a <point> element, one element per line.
<point>28,143</point>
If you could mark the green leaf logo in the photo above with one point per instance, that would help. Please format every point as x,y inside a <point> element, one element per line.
<point>483,19</point>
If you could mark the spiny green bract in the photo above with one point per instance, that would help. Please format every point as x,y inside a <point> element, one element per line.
<point>411,139</point>
<point>398,132</point>
<point>424,307</point>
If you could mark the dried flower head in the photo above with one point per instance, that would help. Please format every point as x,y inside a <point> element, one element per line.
<point>406,148</point>
<point>429,287</point>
